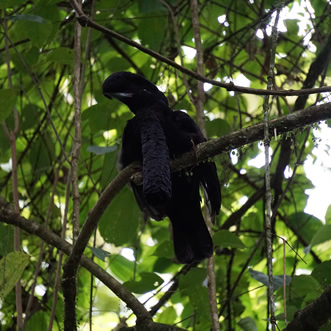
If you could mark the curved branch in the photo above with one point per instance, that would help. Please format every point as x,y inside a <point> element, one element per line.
<point>85,21</point>
<point>9,216</point>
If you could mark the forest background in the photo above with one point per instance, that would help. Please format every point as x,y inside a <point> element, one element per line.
<point>254,75</point>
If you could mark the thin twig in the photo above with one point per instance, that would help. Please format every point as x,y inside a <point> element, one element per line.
<point>57,281</point>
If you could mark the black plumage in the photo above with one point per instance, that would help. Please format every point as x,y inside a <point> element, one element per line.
<point>154,136</point>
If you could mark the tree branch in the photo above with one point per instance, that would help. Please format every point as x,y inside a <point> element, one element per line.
<point>314,316</point>
<point>9,216</point>
<point>85,21</point>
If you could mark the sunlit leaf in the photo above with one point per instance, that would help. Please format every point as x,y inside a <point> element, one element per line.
<point>11,268</point>
<point>7,102</point>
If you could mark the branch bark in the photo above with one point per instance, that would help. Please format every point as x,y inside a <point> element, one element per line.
<point>314,316</point>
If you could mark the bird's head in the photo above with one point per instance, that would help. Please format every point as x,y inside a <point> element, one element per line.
<point>135,91</point>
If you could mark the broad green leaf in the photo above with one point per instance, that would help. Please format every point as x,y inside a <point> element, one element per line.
<point>109,169</point>
<point>323,273</point>
<point>42,153</point>
<point>100,150</point>
<point>165,249</point>
<point>61,55</point>
<point>226,238</point>
<point>194,278</point>
<point>323,234</point>
<point>98,117</point>
<point>122,268</point>
<point>29,114</point>
<point>307,225</point>
<point>148,281</point>
<point>193,284</point>
<point>11,269</point>
<point>151,31</point>
<point>292,26</point>
<point>119,224</point>
<point>38,321</point>
<point>264,279</point>
<point>38,33</point>
<point>99,253</point>
<point>7,102</point>
<point>7,239</point>
<point>247,324</point>
<point>168,314</point>
<point>217,127</point>
<point>304,284</point>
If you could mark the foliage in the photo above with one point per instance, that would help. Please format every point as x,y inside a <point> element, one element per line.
<point>236,48</point>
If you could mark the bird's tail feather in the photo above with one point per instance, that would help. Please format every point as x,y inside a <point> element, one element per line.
<point>192,241</point>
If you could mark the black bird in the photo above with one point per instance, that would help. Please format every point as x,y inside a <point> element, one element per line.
<point>154,136</point>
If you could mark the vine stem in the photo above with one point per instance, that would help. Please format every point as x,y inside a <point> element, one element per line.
<point>11,135</point>
<point>198,103</point>
<point>268,195</point>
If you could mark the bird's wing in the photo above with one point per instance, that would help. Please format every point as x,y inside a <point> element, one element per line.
<point>191,133</point>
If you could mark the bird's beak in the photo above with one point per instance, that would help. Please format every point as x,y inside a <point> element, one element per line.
<point>118,95</point>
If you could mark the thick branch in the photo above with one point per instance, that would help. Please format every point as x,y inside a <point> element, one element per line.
<point>253,133</point>
<point>314,316</point>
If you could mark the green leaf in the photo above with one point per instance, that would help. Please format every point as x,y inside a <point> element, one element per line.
<point>121,267</point>
<point>42,153</point>
<point>328,215</point>
<point>98,117</point>
<point>149,281</point>
<point>323,234</point>
<point>168,314</point>
<point>264,279</point>
<point>226,238</point>
<point>38,33</point>
<point>28,17</point>
<point>119,224</point>
<point>7,239</point>
<point>193,284</point>
<point>99,253</point>
<point>100,150</point>
<point>304,284</point>
<point>151,31</point>
<point>292,26</point>
<point>38,321</point>
<point>217,127</point>
<point>7,102</point>
<point>109,170</point>
<point>11,269</point>
<point>165,249</point>
<point>148,6</point>
<point>61,55</point>
<point>5,4</point>
<point>247,324</point>
<point>322,273</point>
<point>306,225</point>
